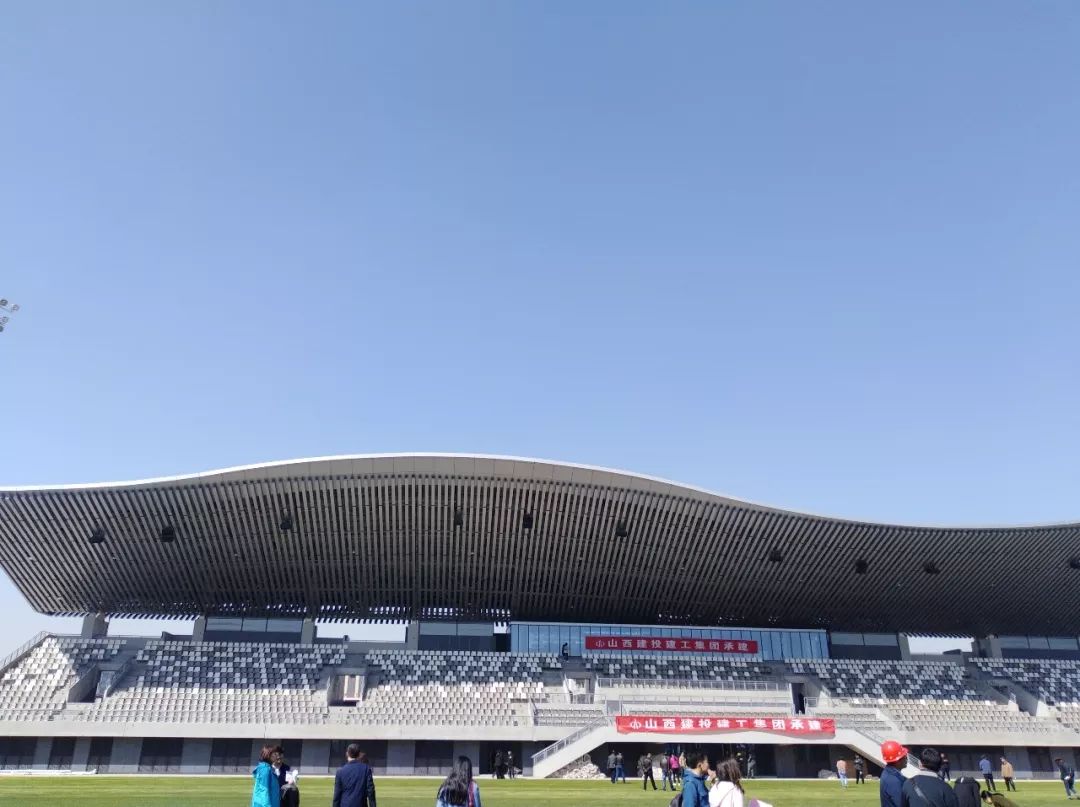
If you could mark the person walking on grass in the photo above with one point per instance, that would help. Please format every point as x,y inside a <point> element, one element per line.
<point>987,771</point>
<point>841,772</point>
<point>265,792</point>
<point>860,770</point>
<point>620,768</point>
<point>458,788</point>
<point>645,771</point>
<point>1068,777</point>
<point>1008,774</point>
<point>611,765</point>
<point>665,771</point>
<point>354,786</point>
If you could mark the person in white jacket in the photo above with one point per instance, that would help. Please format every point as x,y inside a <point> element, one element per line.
<point>728,791</point>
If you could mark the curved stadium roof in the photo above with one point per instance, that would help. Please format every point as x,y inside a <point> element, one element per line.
<point>376,537</point>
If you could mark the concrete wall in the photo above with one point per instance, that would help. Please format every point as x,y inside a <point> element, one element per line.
<point>41,753</point>
<point>785,761</point>
<point>195,755</point>
<point>81,756</point>
<point>315,757</point>
<point>125,755</point>
<point>401,757</point>
<point>472,751</point>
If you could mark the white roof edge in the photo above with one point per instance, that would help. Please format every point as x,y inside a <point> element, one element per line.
<point>258,466</point>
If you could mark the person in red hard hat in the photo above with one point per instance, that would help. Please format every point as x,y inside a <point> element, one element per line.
<point>892,780</point>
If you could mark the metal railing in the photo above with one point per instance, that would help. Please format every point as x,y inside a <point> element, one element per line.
<point>570,738</point>
<point>22,650</point>
<point>694,683</point>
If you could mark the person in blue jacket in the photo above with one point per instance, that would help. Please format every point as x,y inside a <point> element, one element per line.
<point>891,787</point>
<point>694,792</point>
<point>266,791</point>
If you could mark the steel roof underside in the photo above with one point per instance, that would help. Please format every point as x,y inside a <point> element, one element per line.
<point>374,538</point>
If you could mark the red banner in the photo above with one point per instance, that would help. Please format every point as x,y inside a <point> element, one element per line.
<point>800,726</point>
<point>664,644</point>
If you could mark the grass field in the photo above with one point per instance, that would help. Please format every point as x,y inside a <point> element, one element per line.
<point>148,791</point>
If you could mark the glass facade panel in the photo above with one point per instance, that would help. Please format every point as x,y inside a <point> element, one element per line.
<point>773,644</point>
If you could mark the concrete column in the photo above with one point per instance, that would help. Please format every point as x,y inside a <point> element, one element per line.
<point>905,646</point>
<point>41,753</point>
<point>80,757</point>
<point>1020,760</point>
<point>472,751</point>
<point>401,757</point>
<point>315,757</point>
<point>195,756</point>
<point>308,632</point>
<point>125,755</point>
<point>412,636</point>
<point>785,762</point>
<point>527,750</point>
<point>198,631</point>
<point>94,626</point>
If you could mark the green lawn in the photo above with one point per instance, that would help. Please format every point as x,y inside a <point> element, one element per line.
<point>148,791</point>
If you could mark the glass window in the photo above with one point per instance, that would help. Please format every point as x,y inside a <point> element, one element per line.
<point>880,639</point>
<point>1038,643</point>
<point>846,638</point>
<point>1062,643</point>
<point>1014,642</point>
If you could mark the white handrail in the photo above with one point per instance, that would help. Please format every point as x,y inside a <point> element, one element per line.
<point>572,737</point>
<point>22,650</point>
<point>694,683</point>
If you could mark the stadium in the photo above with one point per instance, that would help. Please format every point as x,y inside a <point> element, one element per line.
<point>554,611</point>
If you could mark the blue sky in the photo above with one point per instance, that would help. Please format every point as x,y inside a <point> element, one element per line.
<point>820,255</point>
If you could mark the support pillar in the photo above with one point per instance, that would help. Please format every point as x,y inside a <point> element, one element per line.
<point>198,632</point>
<point>41,753</point>
<point>905,646</point>
<point>400,757</point>
<point>315,757</point>
<point>195,756</point>
<point>94,626</point>
<point>1020,760</point>
<point>80,757</point>
<point>126,752</point>
<point>785,762</point>
<point>308,632</point>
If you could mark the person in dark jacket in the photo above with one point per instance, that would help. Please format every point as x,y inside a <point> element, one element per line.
<point>694,792</point>
<point>860,770</point>
<point>290,794</point>
<point>1068,776</point>
<point>354,786</point>
<point>945,772</point>
<point>927,789</point>
<point>645,771</point>
<point>967,792</point>
<point>891,784</point>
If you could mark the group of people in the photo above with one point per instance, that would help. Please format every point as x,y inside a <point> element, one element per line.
<point>704,787</point>
<point>503,765</point>
<point>354,784</point>
<point>859,764</point>
<point>275,781</point>
<point>930,786</point>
